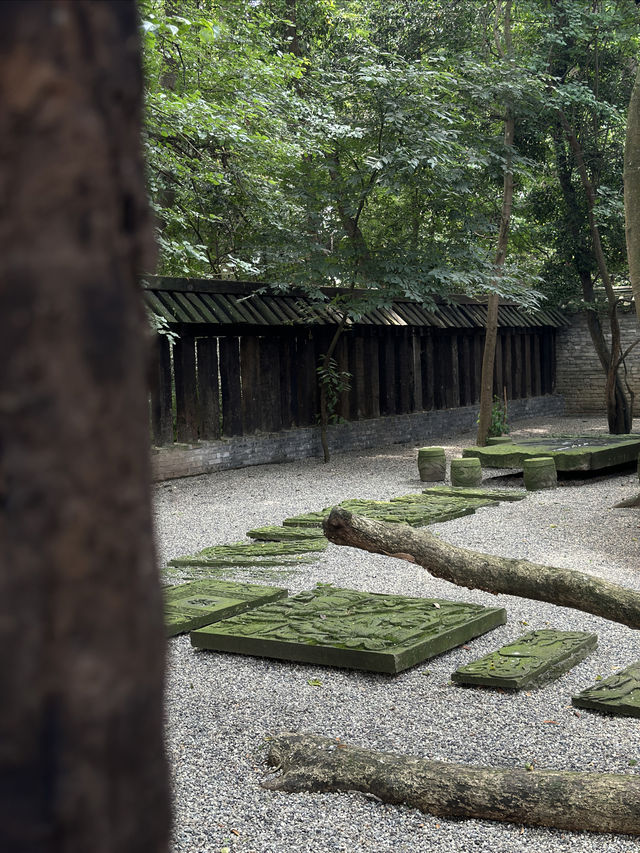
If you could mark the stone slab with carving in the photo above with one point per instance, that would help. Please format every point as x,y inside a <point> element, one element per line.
<point>191,605</point>
<point>534,659</point>
<point>619,694</point>
<point>348,628</point>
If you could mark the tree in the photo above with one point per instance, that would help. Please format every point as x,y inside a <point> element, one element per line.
<point>632,190</point>
<point>82,762</point>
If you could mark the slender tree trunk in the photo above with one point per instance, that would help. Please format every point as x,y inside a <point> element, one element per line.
<point>499,575</point>
<point>632,190</point>
<point>592,802</point>
<point>489,354</point>
<point>82,764</point>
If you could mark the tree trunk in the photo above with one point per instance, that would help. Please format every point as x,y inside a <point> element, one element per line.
<point>489,354</point>
<point>499,575</point>
<point>595,802</point>
<point>632,190</point>
<point>82,764</point>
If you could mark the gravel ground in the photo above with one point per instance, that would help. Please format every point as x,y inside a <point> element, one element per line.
<point>220,707</point>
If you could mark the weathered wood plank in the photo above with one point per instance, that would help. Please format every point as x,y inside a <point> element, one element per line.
<point>388,374</point>
<point>230,387</point>
<point>208,388</point>
<point>428,371</point>
<point>537,365</point>
<point>507,366</point>
<point>271,415</point>
<point>287,411</point>
<point>251,384</point>
<point>454,379</point>
<point>306,379</point>
<point>416,347</point>
<point>526,357</point>
<point>184,367</point>
<point>372,373</point>
<point>161,404</point>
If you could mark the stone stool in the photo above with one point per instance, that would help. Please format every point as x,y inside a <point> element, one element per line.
<point>540,473</point>
<point>432,464</point>
<point>466,472</point>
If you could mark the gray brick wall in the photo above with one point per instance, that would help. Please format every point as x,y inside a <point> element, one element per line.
<point>289,445</point>
<point>579,377</point>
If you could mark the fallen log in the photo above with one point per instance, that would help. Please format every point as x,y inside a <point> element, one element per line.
<point>471,569</point>
<point>595,802</point>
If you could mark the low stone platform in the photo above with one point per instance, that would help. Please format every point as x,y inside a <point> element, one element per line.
<point>496,495</point>
<point>252,554</point>
<point>192,605</point>
<point>570,452</point>
<point>348,628</point>
<point>534,659</point>
<point>618,695</point>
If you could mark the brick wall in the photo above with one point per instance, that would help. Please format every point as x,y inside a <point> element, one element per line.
<point>580,378</point>
<point>289,445</point>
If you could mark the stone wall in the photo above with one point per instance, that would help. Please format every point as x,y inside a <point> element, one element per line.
<point>289,445</point>
<point>580,378</point>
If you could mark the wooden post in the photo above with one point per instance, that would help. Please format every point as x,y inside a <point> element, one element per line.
<point>184,371</point>
<point>230,388</point>
<point>250,377</point>
<point>161,403</point>
<point>208,388</point>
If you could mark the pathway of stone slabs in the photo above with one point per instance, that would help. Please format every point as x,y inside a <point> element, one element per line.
<point>570,452</point>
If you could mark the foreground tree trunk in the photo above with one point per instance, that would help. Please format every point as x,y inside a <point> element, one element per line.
<point>632,190</point>
<point>596,802</point>
<point>82,764</point>
<point>473,570</point>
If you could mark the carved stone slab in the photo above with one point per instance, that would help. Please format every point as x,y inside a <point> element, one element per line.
<point>252,554</point>
<point>536,658</point>
<point>570,452</point>
<point>192,605</point>
<point>344,627</point>
<point>486,494</point>
<point>619,694</point>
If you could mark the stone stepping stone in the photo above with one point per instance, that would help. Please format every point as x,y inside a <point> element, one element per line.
<point>534,659</point>
<point>348,628</point>
<point>251,554</point>
<point>488,494</point>
<point>192,605</point>
<point>274,533</point>
<point>619,694</point>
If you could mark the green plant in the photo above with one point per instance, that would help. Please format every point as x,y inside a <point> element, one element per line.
<point>333,382</point>
<point>498,424</point>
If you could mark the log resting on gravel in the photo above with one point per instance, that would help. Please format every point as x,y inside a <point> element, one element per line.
<point>595,802</point>
<point>474,570</point>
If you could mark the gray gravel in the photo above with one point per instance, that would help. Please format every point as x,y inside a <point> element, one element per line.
<point>220,707</point>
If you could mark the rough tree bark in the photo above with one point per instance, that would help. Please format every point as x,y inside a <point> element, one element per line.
<point>499,575</point>
<point>595,802</point>
<point>491,336</point>
<point>632,190</point>
<point>82,763</point>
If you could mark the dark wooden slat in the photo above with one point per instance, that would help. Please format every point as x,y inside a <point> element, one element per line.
<point>466,376</point>
<point>161,406</point>
<point>517,366</point>
<point>372,372</point>
<point>184,367</point>
<point>416,346</point>
<point>341,355</point>
<point>404,370</point>
<point>358,389</point>
<point>208,388</point>
<point>526,357</point>
<point>454,394</point>
<point>498,372</point>
<point>230,387</point>
<point>536,364</point>
<point>250,376</point>
<point>507,370</point>
<point>387,374</point>
<point>271,414</point>
<point>478,351</point>
<point>428,372</point>
<point>287,417</point>
<point>306,379</point>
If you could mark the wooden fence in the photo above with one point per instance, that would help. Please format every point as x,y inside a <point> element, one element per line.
<point>230,385</point>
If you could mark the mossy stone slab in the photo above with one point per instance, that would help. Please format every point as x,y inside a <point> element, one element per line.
<point>489,495</point>
<point>251,553</point>
<point>348,628</point>
<point>619,694</point>
<point>192,605</point>
<point>570,453</point>
<point>534,659</point>
<point>274,533</point>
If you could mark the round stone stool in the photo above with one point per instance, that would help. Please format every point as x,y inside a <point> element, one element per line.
<point>499,439</point>
<point>466,472</point>
<point>540,473</point>
<point>431,464</point>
